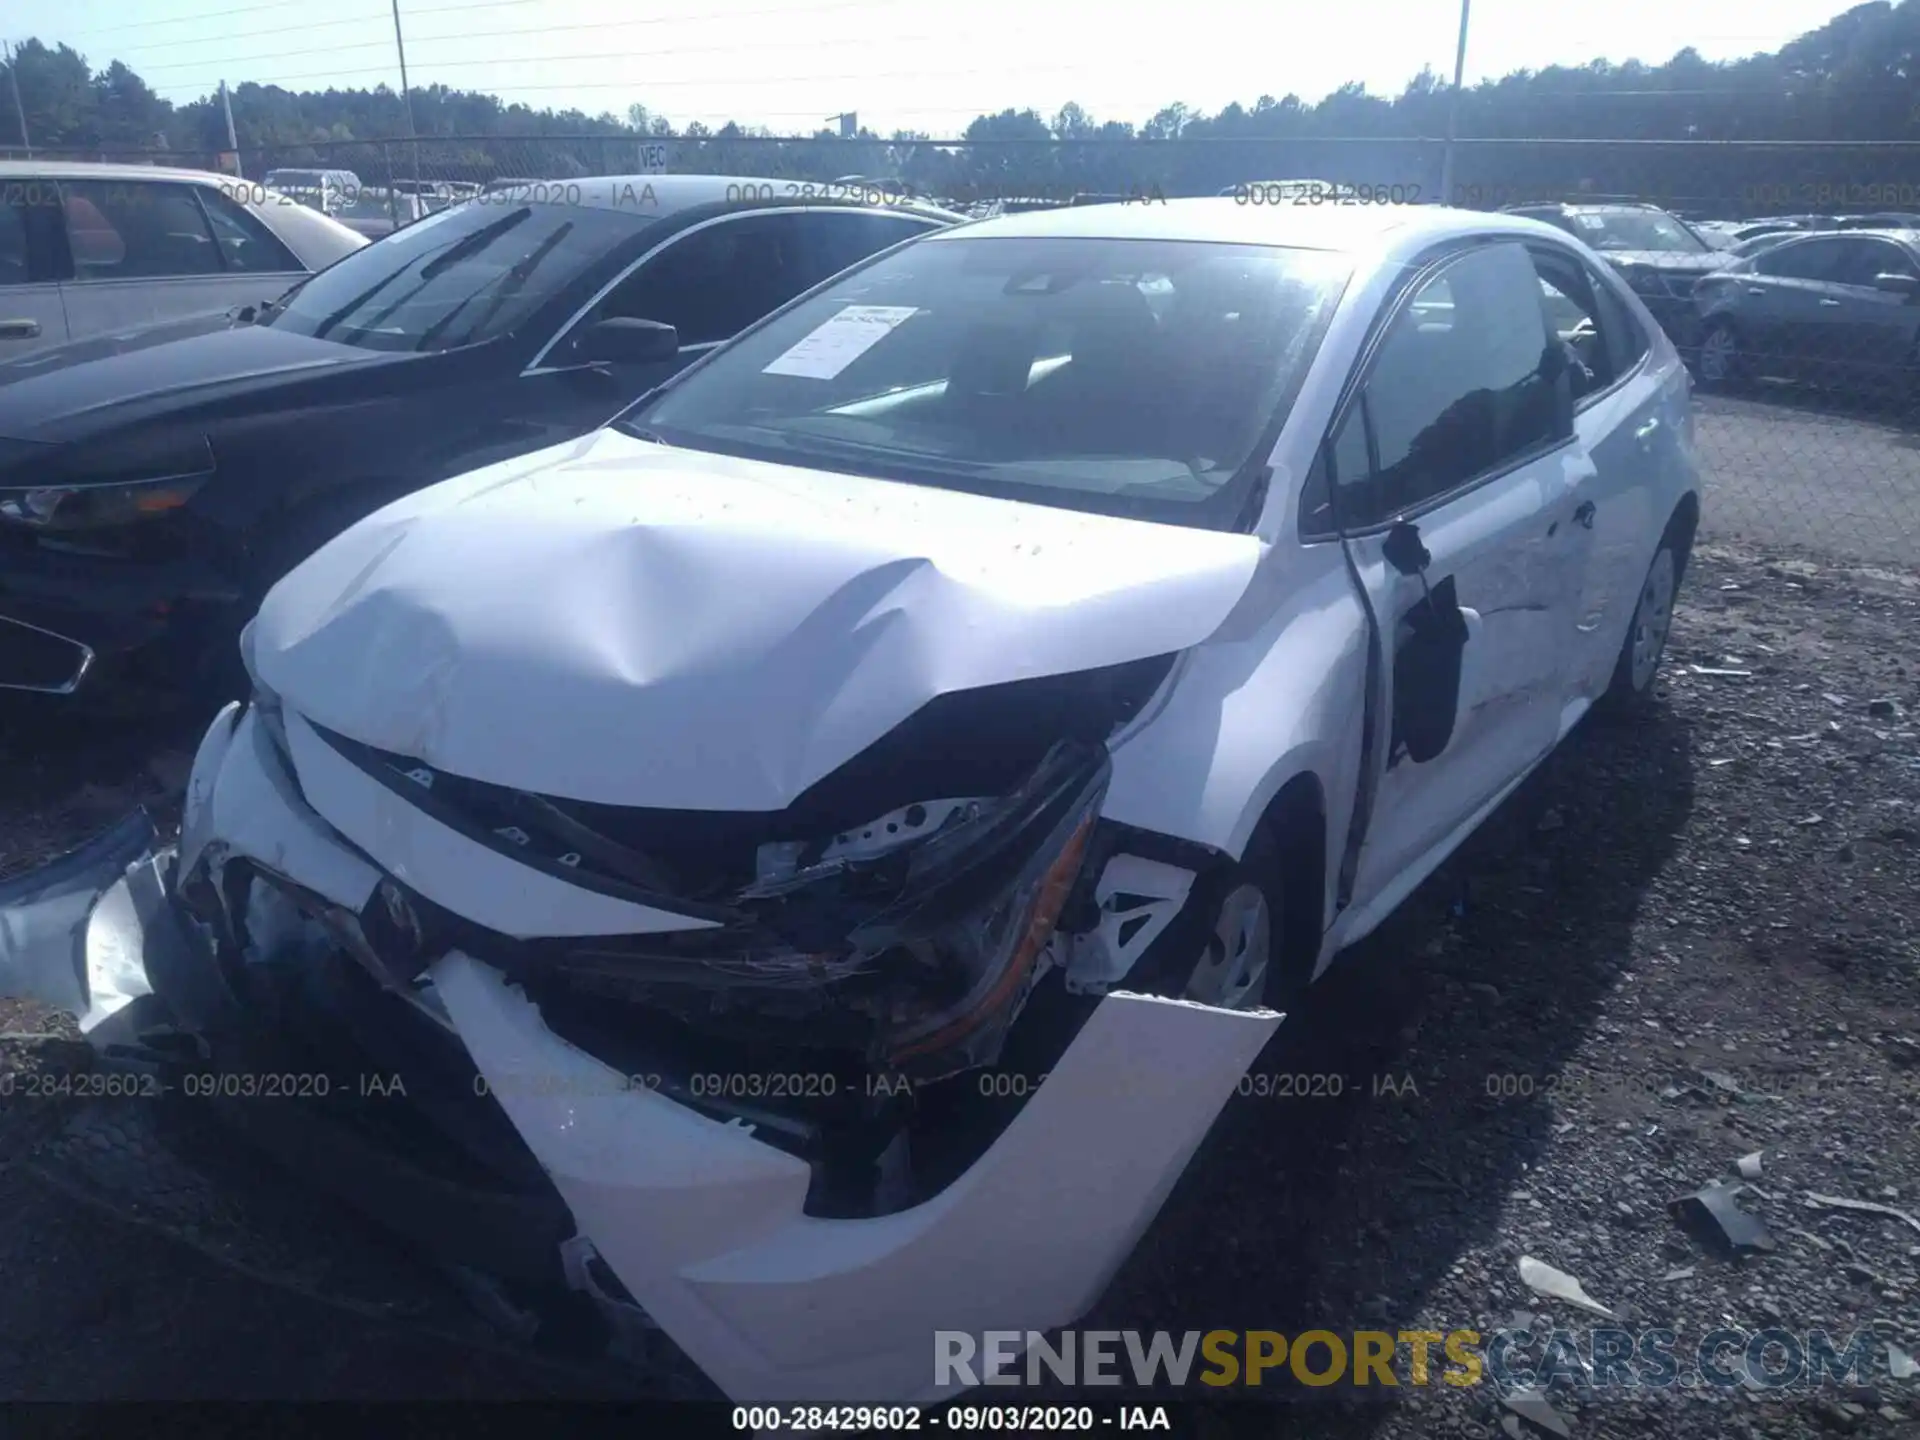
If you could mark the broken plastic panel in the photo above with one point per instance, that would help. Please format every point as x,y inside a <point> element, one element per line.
<point>65,927</point>
<point>705,1225</point>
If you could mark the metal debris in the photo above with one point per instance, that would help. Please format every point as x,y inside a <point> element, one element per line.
<point>1532,1405</point>
<point>1685,1272</point>
<point>1729,674</point>
<point>1900,1364</point>
<point>1539,1276</point>
<point>1710,1215</point>
<point>1749,1166</point>
<point>1869,1207</point>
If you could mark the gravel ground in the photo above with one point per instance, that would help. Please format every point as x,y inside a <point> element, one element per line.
<point>1787,467</point>
<point>1729,888</point>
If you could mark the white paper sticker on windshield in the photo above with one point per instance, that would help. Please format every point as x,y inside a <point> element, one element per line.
<point>840,341</point>
<point>1590,222</point>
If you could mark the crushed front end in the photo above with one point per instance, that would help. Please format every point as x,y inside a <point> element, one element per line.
<point>800,1094</point>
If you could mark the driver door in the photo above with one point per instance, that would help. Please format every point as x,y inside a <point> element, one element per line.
<point>1461,433</point>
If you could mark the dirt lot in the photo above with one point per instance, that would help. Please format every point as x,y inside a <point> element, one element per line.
<point>1731,888</point>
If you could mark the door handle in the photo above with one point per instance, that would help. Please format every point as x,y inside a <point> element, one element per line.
<point>1648,430</point>
<point>19,329</point>
<point>1583,515</point>
<point>1831,304</point>
<point>1756,289</point>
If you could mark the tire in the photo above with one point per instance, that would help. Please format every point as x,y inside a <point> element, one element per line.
<point>1722,363</point>
<point>1244,960</point>
<point>1631,691</point>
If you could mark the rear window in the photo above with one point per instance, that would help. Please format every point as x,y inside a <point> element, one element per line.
<point>1636,230</point>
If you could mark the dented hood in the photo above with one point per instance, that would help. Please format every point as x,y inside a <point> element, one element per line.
<point>624,622</point>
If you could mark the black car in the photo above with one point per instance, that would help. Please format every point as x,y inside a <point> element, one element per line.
<point>154,484</point>
<point>1658,254</point>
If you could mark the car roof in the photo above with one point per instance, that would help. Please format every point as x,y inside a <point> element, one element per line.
<point>1399,228</point>
<point>1584,207</point>
<point>98,170</point>
<point>683,192</point>
<point>607,192</point>
<point>1904,234</point>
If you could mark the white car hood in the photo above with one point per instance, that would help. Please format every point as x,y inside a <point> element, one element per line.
<point>623,622</point>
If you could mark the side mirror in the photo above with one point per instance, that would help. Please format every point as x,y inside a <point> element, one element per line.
<point>1404,550</point>
<point>624,341</point>
<point>1897,284</point>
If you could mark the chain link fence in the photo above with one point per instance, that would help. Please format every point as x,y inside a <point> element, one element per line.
<point>1806,351</point>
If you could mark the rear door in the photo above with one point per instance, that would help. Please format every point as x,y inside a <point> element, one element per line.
<point>1783,321</point>
<point>1626,423</point>
<point>144,250</point>
<point>1463,427</point>
<point>31,313</point>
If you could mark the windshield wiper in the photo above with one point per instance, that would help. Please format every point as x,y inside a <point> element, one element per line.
<point>511,285</point>
<point>474,243</point>
<point>458,250</point>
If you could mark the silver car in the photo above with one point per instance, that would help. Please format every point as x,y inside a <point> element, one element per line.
<point>1840,307</point>
<point>90,249</point>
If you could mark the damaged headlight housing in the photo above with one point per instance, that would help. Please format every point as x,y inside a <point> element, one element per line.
<point>922,956</point>
<point>974,914</point>
<point>997,948</point>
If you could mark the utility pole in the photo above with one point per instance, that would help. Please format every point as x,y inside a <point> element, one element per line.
<point>233,141</point>
<point>19,109</point>
<point>406,96</point>
<point>1453,109</point>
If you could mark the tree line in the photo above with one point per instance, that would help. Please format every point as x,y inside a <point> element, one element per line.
<point>1830,121</point>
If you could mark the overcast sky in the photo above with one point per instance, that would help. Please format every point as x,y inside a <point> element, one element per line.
<point>897,63</point>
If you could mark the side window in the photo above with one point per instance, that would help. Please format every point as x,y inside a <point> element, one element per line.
<point>1574,316</point>
<point>1808,260</point>
<point>1626,337</point>
<point>136,229</point>
<point>1864,259</point>
<point>1344,462</point>
<point>246,244</point>
<point>711,284</point>
<point>14,269</point>
<point>836,242</point>
<point>1450,402</point>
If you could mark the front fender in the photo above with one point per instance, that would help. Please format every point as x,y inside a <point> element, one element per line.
<point>1262,702</point>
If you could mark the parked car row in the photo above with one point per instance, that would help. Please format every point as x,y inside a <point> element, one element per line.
<point>1813,299</point>
<point>1032,648</point>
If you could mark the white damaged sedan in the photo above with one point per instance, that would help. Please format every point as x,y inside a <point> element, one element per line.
<point>821,851</point>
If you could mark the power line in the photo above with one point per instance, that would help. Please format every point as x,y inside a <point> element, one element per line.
<point>674,53</point>
<point>290,4</point>
<point>638,85</point>
<point>412,13</point>
<point>275,33</point>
